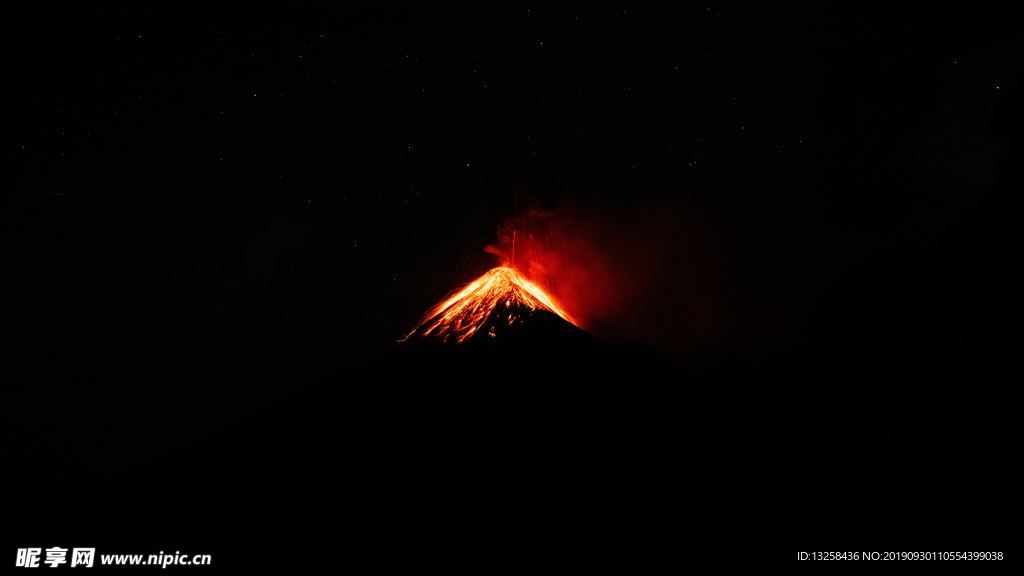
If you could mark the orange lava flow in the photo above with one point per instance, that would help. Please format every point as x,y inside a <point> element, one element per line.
<point>501,290</point>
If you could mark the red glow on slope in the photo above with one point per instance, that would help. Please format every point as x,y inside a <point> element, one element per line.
<point>603,272</point>
<point>501,295</point>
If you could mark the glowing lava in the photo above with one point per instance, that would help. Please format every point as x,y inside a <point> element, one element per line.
<point>500,298</point>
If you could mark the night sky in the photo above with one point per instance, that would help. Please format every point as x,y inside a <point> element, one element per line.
<point>213,209</point>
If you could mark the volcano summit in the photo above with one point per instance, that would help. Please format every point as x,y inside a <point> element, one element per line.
<point>501,302</point>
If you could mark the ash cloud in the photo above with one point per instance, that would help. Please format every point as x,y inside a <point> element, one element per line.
<point>640,275</point>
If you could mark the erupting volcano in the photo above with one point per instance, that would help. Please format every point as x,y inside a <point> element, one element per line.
<point>502,301</point>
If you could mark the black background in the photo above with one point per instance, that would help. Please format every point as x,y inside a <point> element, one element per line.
<point>220,222</point>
